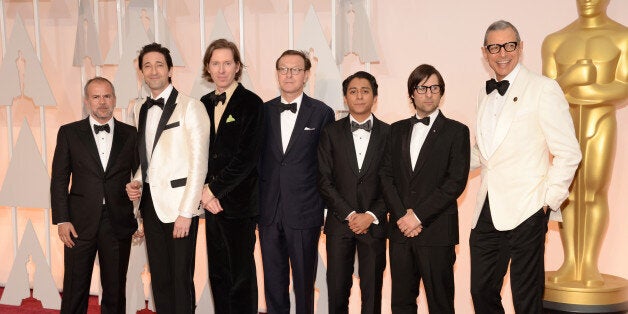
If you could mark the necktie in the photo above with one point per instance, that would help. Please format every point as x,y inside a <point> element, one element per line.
<point>104,127</point>
<point>501,86</point>
<point>425,120</point>
<point>283,107</point>
<point>218,98</point>
<point>364,126</point>
<point>155,102</point>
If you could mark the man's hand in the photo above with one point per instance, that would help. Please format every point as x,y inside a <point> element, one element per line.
<point>139,233</point>
<point>66,232</point>
<point>409,224</point>
<point>360,223</point>
<point>213,206</point>
<point>181,227</point>
<point>134,190</point>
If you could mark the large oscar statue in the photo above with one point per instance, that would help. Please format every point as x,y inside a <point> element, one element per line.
<point>589,59</point>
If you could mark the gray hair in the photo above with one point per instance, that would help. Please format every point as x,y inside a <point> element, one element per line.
<point>499,25</point>
<point>98,79</point>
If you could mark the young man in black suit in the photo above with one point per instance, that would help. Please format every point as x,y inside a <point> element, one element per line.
<point>230,195</point>
<point>425,170</point>
<point>291,209</point>
<point>98,155</point>
<point>350,152</point>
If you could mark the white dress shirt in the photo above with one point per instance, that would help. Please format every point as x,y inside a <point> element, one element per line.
<point>361,140</point>
<point>494,107</point>
<point>288,120</point>
<point>103,142</point>
<point>153,116</point>
<point>419,134</point>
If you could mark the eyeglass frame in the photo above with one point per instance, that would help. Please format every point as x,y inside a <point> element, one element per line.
<point>488,47</point>
<point>425,88</point>
<point>284,70</point>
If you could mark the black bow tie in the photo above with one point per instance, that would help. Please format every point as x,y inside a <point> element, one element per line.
<point>155,102</point>
<point>501,86</point>
<point>366,126</point>
<point>283,107</point>
<point>215,99</point>
<point>425,120</point>
<point>104,127</point>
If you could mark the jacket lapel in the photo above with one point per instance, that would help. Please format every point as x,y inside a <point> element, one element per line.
<point>274,126</point>
<point>165,115</point>
<point>87,137</point>
<point>116,144</point>
<point>305,111</point>
<point>406,136</point>
<point>141,138</point>
<point>508,113</point>
<point>350,146</point>
<point>432,135</point>
<point>374,143</point>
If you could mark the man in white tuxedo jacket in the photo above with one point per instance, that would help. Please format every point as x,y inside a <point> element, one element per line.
<point>528,154</point>
<point>173,145</point>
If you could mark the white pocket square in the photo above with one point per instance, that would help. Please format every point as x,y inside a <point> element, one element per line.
<point>309,129</point>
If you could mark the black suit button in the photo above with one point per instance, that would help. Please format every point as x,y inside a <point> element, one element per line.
<point>283,163</point>
<point>215,156</point>
<point>360,182</point>
<point>412,192</point>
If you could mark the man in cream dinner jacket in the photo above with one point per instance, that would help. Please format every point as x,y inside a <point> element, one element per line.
<point>523,119</point>
<point>173,145</point>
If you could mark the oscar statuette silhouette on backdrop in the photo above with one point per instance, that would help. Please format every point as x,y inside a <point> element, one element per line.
<point>589,59</point>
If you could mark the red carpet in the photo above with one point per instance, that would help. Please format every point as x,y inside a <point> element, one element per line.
<point>33,306</point>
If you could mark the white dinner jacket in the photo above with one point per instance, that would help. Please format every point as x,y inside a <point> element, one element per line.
<point>178,165</point>
<point>520,177</point>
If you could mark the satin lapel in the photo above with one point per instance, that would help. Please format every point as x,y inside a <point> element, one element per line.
<point>507,116</point>
<point>141,138</point>
<point>305,111</point>
<point>432,136</point>
<point>119,138</point>
<point>374,142</point>
<point>87,137</point>
<point>406,136</point>
<point>275,129</point>
<point>478,130</point>
<point>350,146</point>
<point>165,115</point>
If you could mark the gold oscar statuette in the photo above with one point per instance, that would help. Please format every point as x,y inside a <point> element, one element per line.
<point>589,59</point>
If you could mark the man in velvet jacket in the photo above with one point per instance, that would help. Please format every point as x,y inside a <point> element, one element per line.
<point>95,215</point>
<point>230,196</point>
<point>425,170</point>
<point>349,158</point>
<point>291,209</point>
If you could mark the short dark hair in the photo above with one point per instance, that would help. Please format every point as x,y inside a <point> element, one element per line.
<point>363,75</point>
<point>155,47</point>
<point>499,25</point>
<point>421,73</point>
<point>221,44</point>
<point>302,54</point>
<point>98,79</point>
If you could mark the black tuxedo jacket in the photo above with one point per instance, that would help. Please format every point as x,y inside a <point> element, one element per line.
<point>234,152</point>
<point>432,189</point>
<point>76,156</point>
<point>343,186</point>
<point>293,175</point>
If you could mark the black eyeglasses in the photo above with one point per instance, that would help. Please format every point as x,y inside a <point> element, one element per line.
<point>293,71</point>
<point>508,47</point>
<point>422,89</point>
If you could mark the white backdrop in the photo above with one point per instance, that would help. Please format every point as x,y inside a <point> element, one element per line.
<point>447,34</point>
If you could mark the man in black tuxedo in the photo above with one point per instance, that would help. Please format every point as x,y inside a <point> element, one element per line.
<point>291,208</point>
<point>230,196</point>
<point>98,155</point>
<point>350,152</point>
<point>424,172</point>
<point>173,139</point>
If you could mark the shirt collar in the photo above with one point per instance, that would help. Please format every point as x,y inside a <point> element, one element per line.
<point>432,116</point>
<point>352,119</point>
<point>297,100</point>
<point>93,121</point>
<point>165,94</point>
<point>229,91</point>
